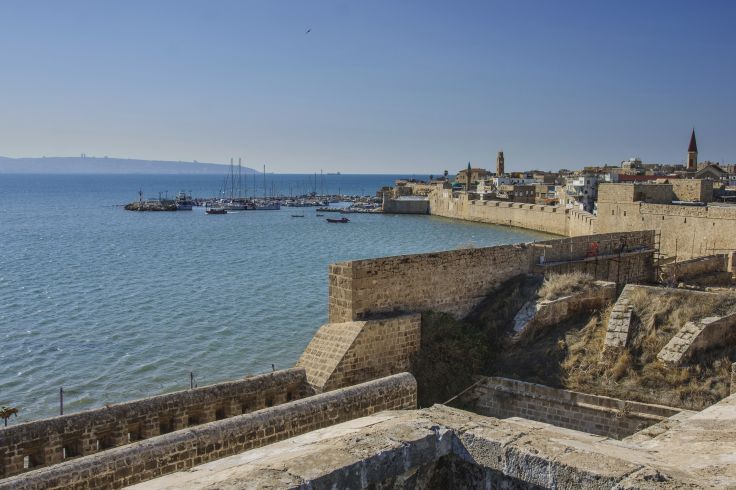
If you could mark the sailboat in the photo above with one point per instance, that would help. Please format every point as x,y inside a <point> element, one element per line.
<point>266,205</point>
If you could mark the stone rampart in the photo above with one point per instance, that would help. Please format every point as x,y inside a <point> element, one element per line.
<point>455,281</point>
<point>343,354</point>
<point>551,219</point>
<point>699,336</point>
<point>405,206</point>
<point>697,190</point>
<point>183,449</point>
<point>617,257</point>
<point>601,415</point>
<point>50,441</point>
<point>686,231</point>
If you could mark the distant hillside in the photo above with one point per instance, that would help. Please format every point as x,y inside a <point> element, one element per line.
<point>94,165</point>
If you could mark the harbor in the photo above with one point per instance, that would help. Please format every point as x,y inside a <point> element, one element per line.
<point>322,203</point>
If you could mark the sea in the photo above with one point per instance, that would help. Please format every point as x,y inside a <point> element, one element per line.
<point>111,305</point>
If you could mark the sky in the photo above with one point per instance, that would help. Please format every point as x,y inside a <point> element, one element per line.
<point>374,87</point>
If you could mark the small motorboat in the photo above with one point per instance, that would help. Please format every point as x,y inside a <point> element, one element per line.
<point>338,220</point>
<point>215,211</point>
<point>297,215</point>
<point>319,215</point>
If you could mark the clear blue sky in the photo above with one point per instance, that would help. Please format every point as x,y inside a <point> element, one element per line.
<point>376,86</point>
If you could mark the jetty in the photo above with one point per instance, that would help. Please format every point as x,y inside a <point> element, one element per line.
<point>152,205</point>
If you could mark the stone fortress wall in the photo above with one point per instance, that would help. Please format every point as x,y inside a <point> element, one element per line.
<point>687,231</point>
<point>551,219</point>
<point>456,281</point>
<point>54,440</point>
<point>180,450</point>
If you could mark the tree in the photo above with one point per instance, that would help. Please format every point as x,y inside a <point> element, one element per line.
<point>7,412</point>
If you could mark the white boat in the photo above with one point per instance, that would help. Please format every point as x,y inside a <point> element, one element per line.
<point>268,206</point>
<point>235,205</point>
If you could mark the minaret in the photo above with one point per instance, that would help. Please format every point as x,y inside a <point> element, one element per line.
<point>692,153</point>
<point>499,164</point>
<point>468,178</point>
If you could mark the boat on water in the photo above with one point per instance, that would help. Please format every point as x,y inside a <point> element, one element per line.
<point>184,202</point>
<point>235,205</point>
<point>267,206</point>
<point>320,215</point>
<point>338,220</point>
<point>297,215</point>
<point>215,211</point>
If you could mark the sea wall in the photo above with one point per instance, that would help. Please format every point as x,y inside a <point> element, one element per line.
<point>183,449</point>
<point>601,415</point>
<point>343,354</point>
<point>686,231</point>
<point>455,281</point>
<point>551,219</point>
<point>50,441</point>
<point>405,206</point>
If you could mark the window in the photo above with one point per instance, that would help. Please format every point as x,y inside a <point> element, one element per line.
<point>33,459</point>
<point>165,425</point>
<point>105,442</point>
<point>71,448</point>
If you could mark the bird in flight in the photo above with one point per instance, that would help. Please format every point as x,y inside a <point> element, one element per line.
<point>308,31</point>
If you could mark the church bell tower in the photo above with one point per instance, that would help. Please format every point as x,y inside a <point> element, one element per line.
<point>692,153</point>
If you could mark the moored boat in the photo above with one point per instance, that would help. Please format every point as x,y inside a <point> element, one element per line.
<point>268,206</point>
<point>184,202</point>
<point>215,211</point>
<point>339,220</point>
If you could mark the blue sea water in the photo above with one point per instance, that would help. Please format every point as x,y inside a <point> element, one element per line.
<point>116,305</point>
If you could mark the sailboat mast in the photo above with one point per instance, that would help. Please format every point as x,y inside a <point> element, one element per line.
<point>232,179</point>
<point>240,179</point>
<point>264,181</point>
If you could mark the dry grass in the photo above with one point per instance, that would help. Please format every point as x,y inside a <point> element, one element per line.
<point>658,317</point>
<point>636,374</point>
<point>568,355</point>
<point>559,285</point>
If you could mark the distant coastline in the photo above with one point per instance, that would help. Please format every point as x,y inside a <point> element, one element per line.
<point>105,165</point>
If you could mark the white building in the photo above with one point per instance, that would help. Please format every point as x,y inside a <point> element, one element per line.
<point>581,192</point>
